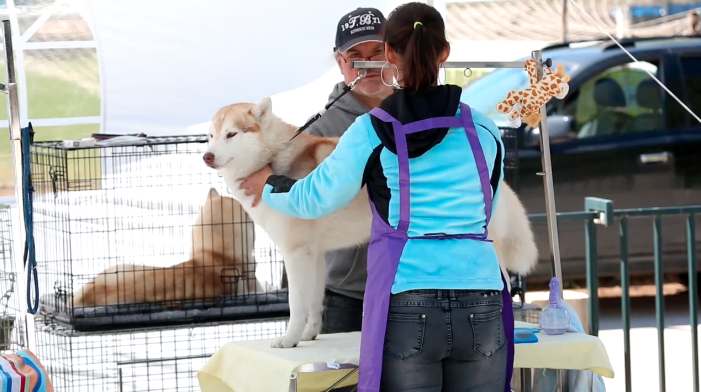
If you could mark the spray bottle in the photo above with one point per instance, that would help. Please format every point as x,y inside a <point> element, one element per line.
<point>554,319</point>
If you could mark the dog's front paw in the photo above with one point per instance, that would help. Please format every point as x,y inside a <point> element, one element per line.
<point>311,330</point>
<point>284,342</point>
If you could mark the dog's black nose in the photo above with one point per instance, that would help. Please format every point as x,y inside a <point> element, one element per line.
<point>208,158</point>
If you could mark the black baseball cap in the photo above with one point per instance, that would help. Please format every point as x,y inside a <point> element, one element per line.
<point>358,26</point>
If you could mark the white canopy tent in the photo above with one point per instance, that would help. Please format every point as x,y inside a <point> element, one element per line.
<point>168,64</point>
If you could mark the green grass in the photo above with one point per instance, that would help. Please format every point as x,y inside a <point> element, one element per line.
<point>7,179</point>
<point>57,87</point>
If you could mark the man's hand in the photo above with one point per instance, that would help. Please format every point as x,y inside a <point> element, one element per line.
<point>255,183</point>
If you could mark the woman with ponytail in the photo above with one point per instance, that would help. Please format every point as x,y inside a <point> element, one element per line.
<point>437,314</point>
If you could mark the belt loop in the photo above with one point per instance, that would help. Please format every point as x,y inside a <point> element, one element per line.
<point>453,297</point>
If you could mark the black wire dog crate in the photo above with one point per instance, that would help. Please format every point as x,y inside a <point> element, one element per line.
<point>12,327</point>
<point>145,234</point>
<point>163,359</point>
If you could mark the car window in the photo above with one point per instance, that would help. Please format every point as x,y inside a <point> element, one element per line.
<point>621,99</point>
<point>691,68</point>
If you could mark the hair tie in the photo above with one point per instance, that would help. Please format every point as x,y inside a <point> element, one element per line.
<point>417,24</point>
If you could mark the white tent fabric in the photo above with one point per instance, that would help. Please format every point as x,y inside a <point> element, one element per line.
<point>297,105</point>
<point>168,64</point>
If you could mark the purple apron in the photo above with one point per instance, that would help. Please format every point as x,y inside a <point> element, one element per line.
<point>387,245</point>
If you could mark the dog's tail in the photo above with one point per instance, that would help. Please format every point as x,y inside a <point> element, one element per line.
<point>102,289</point>
<point>512,233</point>
<point>129,283</point>
<point>79,296</point>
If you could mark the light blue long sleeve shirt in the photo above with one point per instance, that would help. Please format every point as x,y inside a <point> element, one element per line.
<point>446,197</point>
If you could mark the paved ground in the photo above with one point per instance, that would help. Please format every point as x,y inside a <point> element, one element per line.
<point>644,358</point>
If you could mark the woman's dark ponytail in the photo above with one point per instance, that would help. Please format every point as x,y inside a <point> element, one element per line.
<point>417,33</point>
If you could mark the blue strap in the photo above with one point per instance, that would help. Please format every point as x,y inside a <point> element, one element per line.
<point>29,252</point>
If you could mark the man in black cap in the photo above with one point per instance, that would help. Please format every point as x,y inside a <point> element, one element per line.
<point>358,38</point>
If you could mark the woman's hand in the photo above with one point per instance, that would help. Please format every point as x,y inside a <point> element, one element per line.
<point>255,183</point>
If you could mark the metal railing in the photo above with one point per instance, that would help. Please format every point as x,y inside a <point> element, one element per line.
<point>601,212</point>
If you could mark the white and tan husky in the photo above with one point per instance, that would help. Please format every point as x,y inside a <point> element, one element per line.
<point>245,137</point>
<point>220,240</point>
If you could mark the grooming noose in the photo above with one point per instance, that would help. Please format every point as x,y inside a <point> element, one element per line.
<point>349,87</point>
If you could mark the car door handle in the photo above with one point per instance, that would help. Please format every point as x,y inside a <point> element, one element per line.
<point>655,157</point>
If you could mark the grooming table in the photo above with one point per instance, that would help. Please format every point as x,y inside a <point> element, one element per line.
<point>252,366</point>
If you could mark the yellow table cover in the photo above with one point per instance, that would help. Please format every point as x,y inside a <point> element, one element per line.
<point>252,366</point>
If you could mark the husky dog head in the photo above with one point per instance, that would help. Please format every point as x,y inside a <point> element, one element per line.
<point>219,229</point>
<point>243,138</point>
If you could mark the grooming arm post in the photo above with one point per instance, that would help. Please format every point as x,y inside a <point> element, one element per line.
<point>450,64</point>
<point>548,180</point>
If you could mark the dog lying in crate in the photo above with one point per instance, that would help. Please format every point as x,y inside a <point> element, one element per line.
<point>245,137</point>
<point>221,254</point>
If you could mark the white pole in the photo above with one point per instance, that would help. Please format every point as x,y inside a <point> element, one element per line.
<point>13,115</point>
<point>19,56</point>
<point>548,181</point>
<point>440,5</point>
<point>620,28</point>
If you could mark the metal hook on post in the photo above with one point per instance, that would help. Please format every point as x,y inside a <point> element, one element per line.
<point>465,72</point>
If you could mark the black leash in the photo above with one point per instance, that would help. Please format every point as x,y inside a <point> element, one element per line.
<point>317,116</point>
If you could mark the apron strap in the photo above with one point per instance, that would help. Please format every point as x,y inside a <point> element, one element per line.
<point>507,316</point>
<point>432,123</point>
<point>403,157</point>
<point>401,130</point>
<point>478,153</point>
<point>383,116</point>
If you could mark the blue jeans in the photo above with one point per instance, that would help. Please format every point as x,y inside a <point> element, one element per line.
<point>445,341</point>
<point>341,313</point>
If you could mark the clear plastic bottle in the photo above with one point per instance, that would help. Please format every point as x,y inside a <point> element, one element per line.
<point>554,319</point>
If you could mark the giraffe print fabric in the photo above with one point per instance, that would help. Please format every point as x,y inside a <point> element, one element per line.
<point>525,105</point>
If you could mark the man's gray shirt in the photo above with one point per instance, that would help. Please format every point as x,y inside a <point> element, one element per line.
<point>345,268</point>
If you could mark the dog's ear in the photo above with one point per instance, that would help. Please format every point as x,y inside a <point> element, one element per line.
<point>262,108</point>
<point>211,196</point>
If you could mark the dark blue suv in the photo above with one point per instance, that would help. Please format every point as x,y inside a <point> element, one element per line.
<point>617,135</point>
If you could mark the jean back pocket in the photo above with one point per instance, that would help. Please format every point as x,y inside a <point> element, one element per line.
<point>405,335</point>
<point>487,332</point>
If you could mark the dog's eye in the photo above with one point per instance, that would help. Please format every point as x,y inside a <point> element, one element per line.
<point>230,135</point>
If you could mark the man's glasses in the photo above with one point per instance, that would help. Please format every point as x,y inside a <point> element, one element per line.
<point>374,57</point>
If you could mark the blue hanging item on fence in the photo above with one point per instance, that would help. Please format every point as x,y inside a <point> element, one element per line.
<point>27,135</point>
